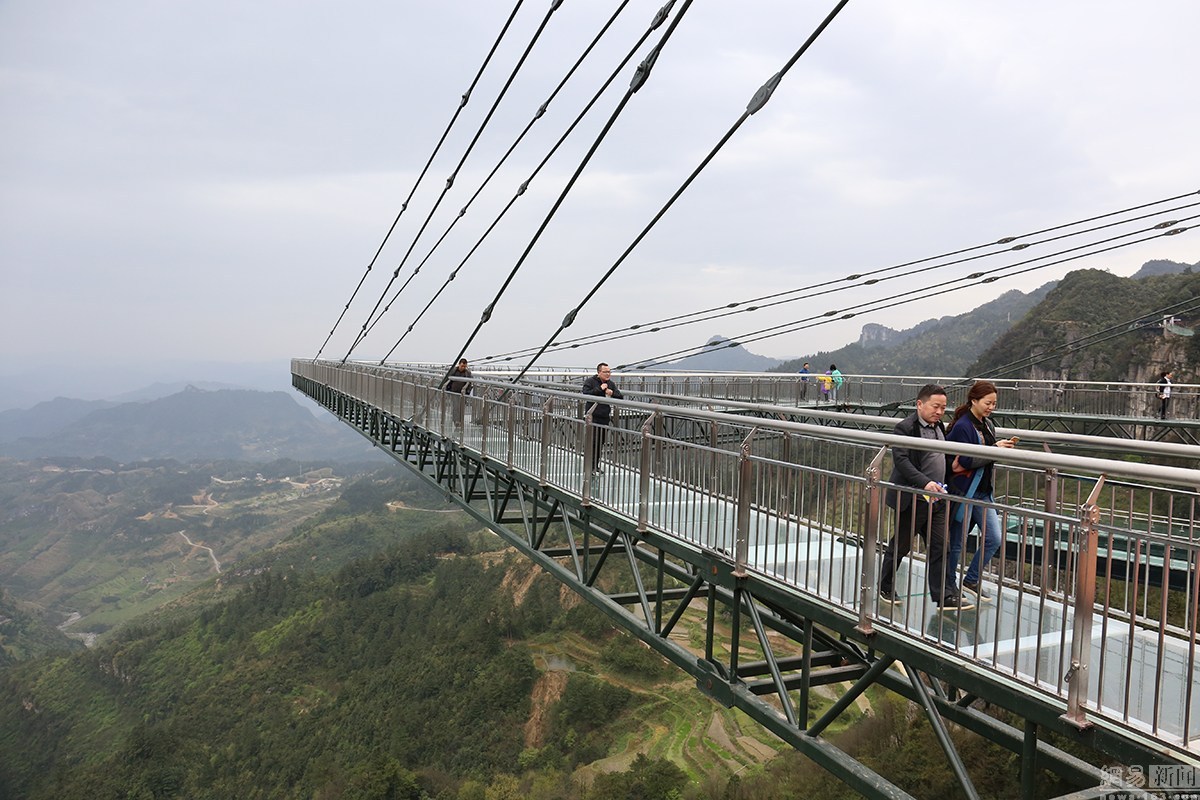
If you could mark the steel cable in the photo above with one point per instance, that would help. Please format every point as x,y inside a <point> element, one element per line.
<point>461,105</point>
<point>554,5</point>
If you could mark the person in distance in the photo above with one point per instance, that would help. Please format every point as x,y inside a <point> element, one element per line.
<point>600,385</point>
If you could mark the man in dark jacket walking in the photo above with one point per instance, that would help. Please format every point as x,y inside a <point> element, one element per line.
<point>922,512</point>
<point>459,386</point>
<point>599,385</point>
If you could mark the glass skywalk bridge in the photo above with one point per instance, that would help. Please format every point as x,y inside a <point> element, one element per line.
<point>1086,622</point>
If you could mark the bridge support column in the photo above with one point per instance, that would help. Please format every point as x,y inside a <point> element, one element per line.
<point>1029,760</point>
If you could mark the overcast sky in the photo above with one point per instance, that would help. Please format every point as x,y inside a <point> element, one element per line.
<point>207,181</point>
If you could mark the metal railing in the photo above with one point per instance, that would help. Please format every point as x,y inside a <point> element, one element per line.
<point>1095,587</point>
<point>1088,398</point>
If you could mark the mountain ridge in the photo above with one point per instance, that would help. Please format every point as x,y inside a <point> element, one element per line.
<point>194,424</point>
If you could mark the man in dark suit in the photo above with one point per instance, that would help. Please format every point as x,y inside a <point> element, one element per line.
<point>600,385</point>
<point>922,512</point>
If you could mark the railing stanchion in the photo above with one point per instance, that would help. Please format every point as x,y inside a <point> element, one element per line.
<point>745,496</point>
<point>866,593</point>
<point>544,461</point>
<point>1085,598</point>
<point>1050,503</point>
<point>512,429</point>
<point>484,424</point>
<point>644,472</point>
<point>589,455</point>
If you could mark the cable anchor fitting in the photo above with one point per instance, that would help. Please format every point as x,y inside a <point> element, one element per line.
<point>662,14</point>
<point>763,94</point>
<point>643,71</point>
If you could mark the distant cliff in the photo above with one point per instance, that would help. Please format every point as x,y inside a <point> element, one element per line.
<point>941,347</point>
<point>1098,326</point>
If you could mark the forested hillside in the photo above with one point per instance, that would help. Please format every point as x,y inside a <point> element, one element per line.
<point>1098,326</point>
<point>439,667</point>
<point>945,346</point>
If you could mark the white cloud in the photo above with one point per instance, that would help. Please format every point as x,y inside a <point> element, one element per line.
<point>221,174</point>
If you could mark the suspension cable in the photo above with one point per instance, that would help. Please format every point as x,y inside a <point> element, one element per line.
<point>1113,331</point>
<point>760,99</point>
<point>641,75</point>
<point>861,308</point>
<point>461,105</point>
<point>657,21</point>
<point>520,137</point>
<point>756,303</point>
<point>554,5</point>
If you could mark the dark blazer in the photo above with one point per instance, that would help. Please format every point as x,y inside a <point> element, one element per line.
<point>906,464</point>
<point>456,384</point>
<point>592,386</point>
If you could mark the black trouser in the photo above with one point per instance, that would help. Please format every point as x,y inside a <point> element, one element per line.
<point>1162,412</point>
<point>599,435</point>
<point>929,521</point>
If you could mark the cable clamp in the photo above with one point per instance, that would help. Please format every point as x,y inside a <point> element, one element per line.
<point>764,93</point>
<point>643,71</point>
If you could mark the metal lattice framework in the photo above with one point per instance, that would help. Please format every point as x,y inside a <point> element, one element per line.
<point>682,519</point>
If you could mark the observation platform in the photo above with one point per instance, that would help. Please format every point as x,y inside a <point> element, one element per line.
<point>1091,632</point>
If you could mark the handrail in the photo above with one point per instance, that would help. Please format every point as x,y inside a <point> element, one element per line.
<point>783,500</point>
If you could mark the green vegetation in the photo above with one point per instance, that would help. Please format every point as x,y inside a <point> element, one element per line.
<point>108,542</point>
<point>387,649</point>
<point>1087,301</point>
<point>935,347</point>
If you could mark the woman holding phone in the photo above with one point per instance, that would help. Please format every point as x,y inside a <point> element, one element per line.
<point>971,478</point>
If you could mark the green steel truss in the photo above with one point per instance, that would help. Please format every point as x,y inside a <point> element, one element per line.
<point>645,582</point>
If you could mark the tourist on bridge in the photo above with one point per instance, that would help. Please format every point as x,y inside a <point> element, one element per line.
<point>1164,392</point>
<point>804,373</point>
<point>459,386</point>
<point>972,478</point>
<point>921,512</point>
<point>599,385</point>
<point>825,383</point>
<point>836,375</point>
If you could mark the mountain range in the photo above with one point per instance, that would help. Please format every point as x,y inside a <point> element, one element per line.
<point>998,332</point>
<point>193,424</point>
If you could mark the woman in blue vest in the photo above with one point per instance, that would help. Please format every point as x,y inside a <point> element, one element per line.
<point>972,478</point>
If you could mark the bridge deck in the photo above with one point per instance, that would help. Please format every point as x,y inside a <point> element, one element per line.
<point>795,507</point>
<point>1144,678</point>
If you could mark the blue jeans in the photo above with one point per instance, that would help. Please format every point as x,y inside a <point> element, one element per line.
<point>988,521</point>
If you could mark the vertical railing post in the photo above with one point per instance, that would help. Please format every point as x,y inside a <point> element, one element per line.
<point>713,463</point>
<point>483,425</point>
<point>512,429</point>
<point>644,472</point>
<point>589,454</point>
<point>745,497</point>
<point>544,460</point>
<point>1051,500</point>
<point>866,589</point>
<point>1085,598</point>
